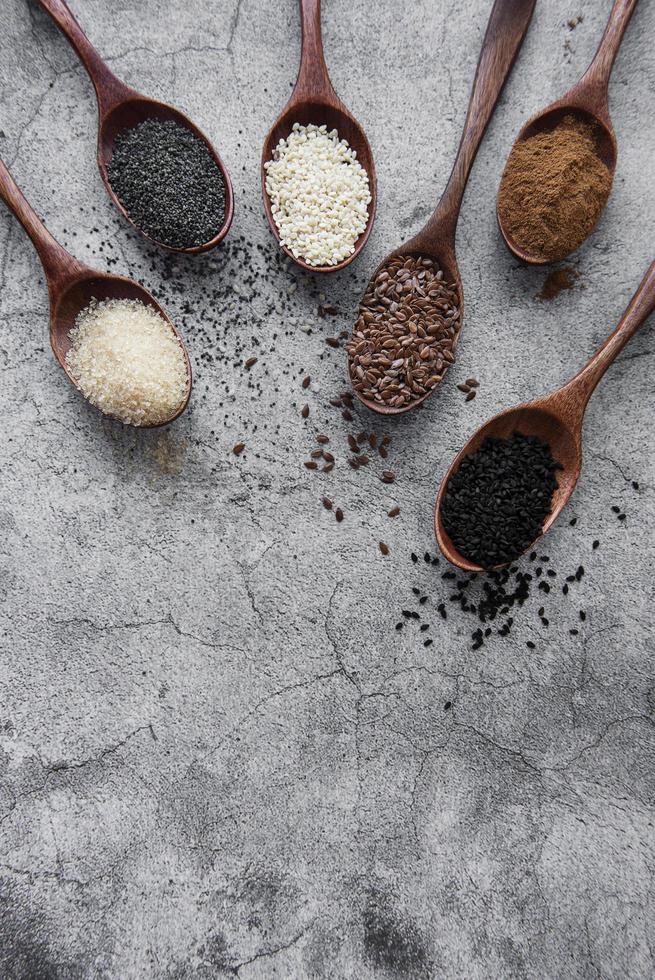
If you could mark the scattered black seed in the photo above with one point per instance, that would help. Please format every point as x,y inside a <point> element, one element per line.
<point>530,645</point>
<point>621,517</point>
<point>414,558</point>
<point>617,510</point>
<point>448,705</point>
<point>168,182</point>
<point>595,545</point>
<point>427,643</point>
<point>574,632</point>
<point>573,521</point>
<point>583,615</point>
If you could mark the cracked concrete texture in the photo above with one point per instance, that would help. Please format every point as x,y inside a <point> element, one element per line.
<point>217,755</point>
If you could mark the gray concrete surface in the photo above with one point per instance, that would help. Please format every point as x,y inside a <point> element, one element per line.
<point>218,756</point>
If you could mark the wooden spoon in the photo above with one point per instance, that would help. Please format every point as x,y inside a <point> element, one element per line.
<point>508,24</point>
<point>72,286</point>
<point>121,108</point>
<point>555,419</point>
<point>314,100</point>
<point>586,101</point>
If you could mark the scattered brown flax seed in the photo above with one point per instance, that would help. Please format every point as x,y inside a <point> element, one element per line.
<point>354,445</point>
<point>238,448</point>
<point>388,476</point>
<point>332,341</point>
<point>338,514</point>
<point>328,457</point>
<point>472,382</point>
<point>384,548</point>
<point>311,464</point>
<point>383,452</point>
<point>346,415</point>
<point>362,460</point>
<point>327,503</point>
<point>250,362</point>
<point>471,395</point>
<point>306,381</point>
<point>353,463</point>
<point>328,467</point>
<point>393,512</point>
<point>464,387</point>
<point>316,453</point>
<point>305,411</point>
<point>322,439</point>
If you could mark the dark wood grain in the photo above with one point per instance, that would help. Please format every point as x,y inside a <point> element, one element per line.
<point>556,419</point>
<point>121,107</point>
<point>314,100</point>
<point>507,27</point>
<point>72,286</point>
<point>588,101</point>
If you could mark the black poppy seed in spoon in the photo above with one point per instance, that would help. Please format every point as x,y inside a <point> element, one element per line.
<point>169,183</point>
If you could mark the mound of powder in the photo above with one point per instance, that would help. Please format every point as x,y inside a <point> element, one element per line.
<point>319,194</point>
<point>126,360</point>
<point>553,190</point>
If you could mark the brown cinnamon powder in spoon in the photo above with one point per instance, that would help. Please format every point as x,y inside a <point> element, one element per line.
<point>553,190</point>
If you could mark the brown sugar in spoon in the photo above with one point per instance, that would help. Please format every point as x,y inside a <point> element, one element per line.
<point>121,108</point>
<point>72,286</point>
<point>507,27</point>
<point>314,101</point>
<point>587,102</point>
<point>555,419</point>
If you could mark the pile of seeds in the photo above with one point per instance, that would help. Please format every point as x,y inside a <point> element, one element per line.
<point>319,194</point>
<point>406,332</point>
<point>169,183</point>
<point>495,505</point>
<point>127,361</point>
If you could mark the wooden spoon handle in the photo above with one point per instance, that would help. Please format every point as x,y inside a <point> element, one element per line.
<point>58,264</point>
<point>508,24</point>
<point>595,80</point>
<point>109,89</point>
<point>642,304</point>
<point>313,80</point>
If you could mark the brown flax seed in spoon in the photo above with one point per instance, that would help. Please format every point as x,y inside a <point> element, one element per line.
<point>410,317</point>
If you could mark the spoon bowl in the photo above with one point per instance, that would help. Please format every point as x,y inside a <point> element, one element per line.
<point>587,102</point>
<point>72,286</point>
<point>314,101</point>
<point>508,24</point>
<point>555,419</point>
<point>121,108</point>
<point>538,419</point>
<point>444,257</point>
